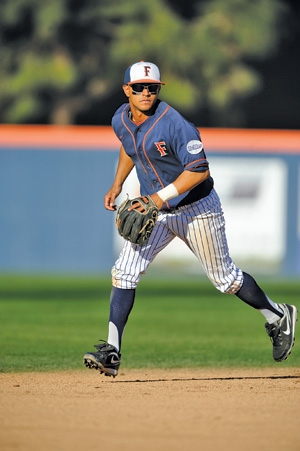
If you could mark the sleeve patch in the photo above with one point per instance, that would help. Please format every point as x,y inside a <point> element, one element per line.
<point>194,147</point>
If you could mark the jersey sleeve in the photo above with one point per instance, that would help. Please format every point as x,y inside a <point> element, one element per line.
<point>187,145</point>
<point>116,121</point>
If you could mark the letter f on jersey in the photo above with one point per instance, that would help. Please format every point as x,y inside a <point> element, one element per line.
<point>161,147</point>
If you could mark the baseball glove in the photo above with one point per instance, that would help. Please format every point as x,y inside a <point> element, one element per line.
<point>136,226</point>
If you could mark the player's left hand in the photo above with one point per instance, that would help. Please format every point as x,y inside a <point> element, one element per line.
<point>136,219</point>
<point>157,200</point>
<point>139,207</point>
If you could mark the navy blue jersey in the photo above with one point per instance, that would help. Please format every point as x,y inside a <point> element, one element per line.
<point>162,147</point>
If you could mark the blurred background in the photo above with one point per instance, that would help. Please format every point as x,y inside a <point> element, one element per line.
<point>227,64</point>
<point>230,66</point>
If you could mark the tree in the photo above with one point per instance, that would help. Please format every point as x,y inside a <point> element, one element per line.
<point>60,58</point>
<point>206,61</point>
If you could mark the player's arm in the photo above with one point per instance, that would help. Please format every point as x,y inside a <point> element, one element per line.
<point>186,181</point>
<point>125,166</point>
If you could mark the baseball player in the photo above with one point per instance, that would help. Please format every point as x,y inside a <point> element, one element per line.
<point>172,168</point>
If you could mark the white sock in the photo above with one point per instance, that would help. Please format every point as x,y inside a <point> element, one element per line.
<point>113,335</point>
<point>270,316</point>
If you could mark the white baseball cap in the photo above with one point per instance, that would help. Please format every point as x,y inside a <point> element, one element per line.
<point>142,72</point>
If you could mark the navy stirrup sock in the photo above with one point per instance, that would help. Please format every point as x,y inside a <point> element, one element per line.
<point>253,295</point>
<point>121,303</point>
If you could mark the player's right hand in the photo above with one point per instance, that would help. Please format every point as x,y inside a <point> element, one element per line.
<point>110,197</point>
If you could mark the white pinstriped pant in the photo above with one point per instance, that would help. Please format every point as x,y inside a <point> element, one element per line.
<point>201,226</point>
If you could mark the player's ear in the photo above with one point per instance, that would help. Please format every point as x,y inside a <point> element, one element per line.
<point>126,90</point>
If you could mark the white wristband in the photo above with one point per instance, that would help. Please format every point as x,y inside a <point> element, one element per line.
<point>167,193</point>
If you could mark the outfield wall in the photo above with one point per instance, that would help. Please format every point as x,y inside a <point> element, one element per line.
<point>53,179</point>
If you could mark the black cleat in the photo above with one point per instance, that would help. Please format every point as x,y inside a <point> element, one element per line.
<point>282,333</point>
<point>106,359</point>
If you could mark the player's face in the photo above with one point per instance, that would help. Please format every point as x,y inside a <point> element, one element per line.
<point>142,97</point>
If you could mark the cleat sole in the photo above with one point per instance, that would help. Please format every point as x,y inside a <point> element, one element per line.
<point>89,363</point>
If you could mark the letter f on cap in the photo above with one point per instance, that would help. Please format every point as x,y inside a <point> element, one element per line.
<point>142,72</point>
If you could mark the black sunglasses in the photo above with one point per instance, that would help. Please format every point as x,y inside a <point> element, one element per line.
<point>138,88</point>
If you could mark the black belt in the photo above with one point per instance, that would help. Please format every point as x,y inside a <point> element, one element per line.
<point>199,192</point>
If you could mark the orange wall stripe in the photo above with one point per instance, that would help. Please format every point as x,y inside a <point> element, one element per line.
<point>50,136</point>
<point>237,140</point>
<point>99,137</point>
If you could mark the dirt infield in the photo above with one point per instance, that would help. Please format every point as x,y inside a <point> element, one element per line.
<point>207,410</point>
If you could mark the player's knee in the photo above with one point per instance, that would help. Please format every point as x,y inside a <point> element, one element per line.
<point>233,288</point>
<point>230,284</point>
<point>120,280</point>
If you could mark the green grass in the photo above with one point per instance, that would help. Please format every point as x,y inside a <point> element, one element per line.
<point>48,323</point>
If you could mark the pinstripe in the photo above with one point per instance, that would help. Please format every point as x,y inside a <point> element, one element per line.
<point>134,260</point>
<point>201,226</point>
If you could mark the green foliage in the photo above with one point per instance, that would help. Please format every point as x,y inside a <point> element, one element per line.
<point>49,323</point>
<point>67,54</point>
